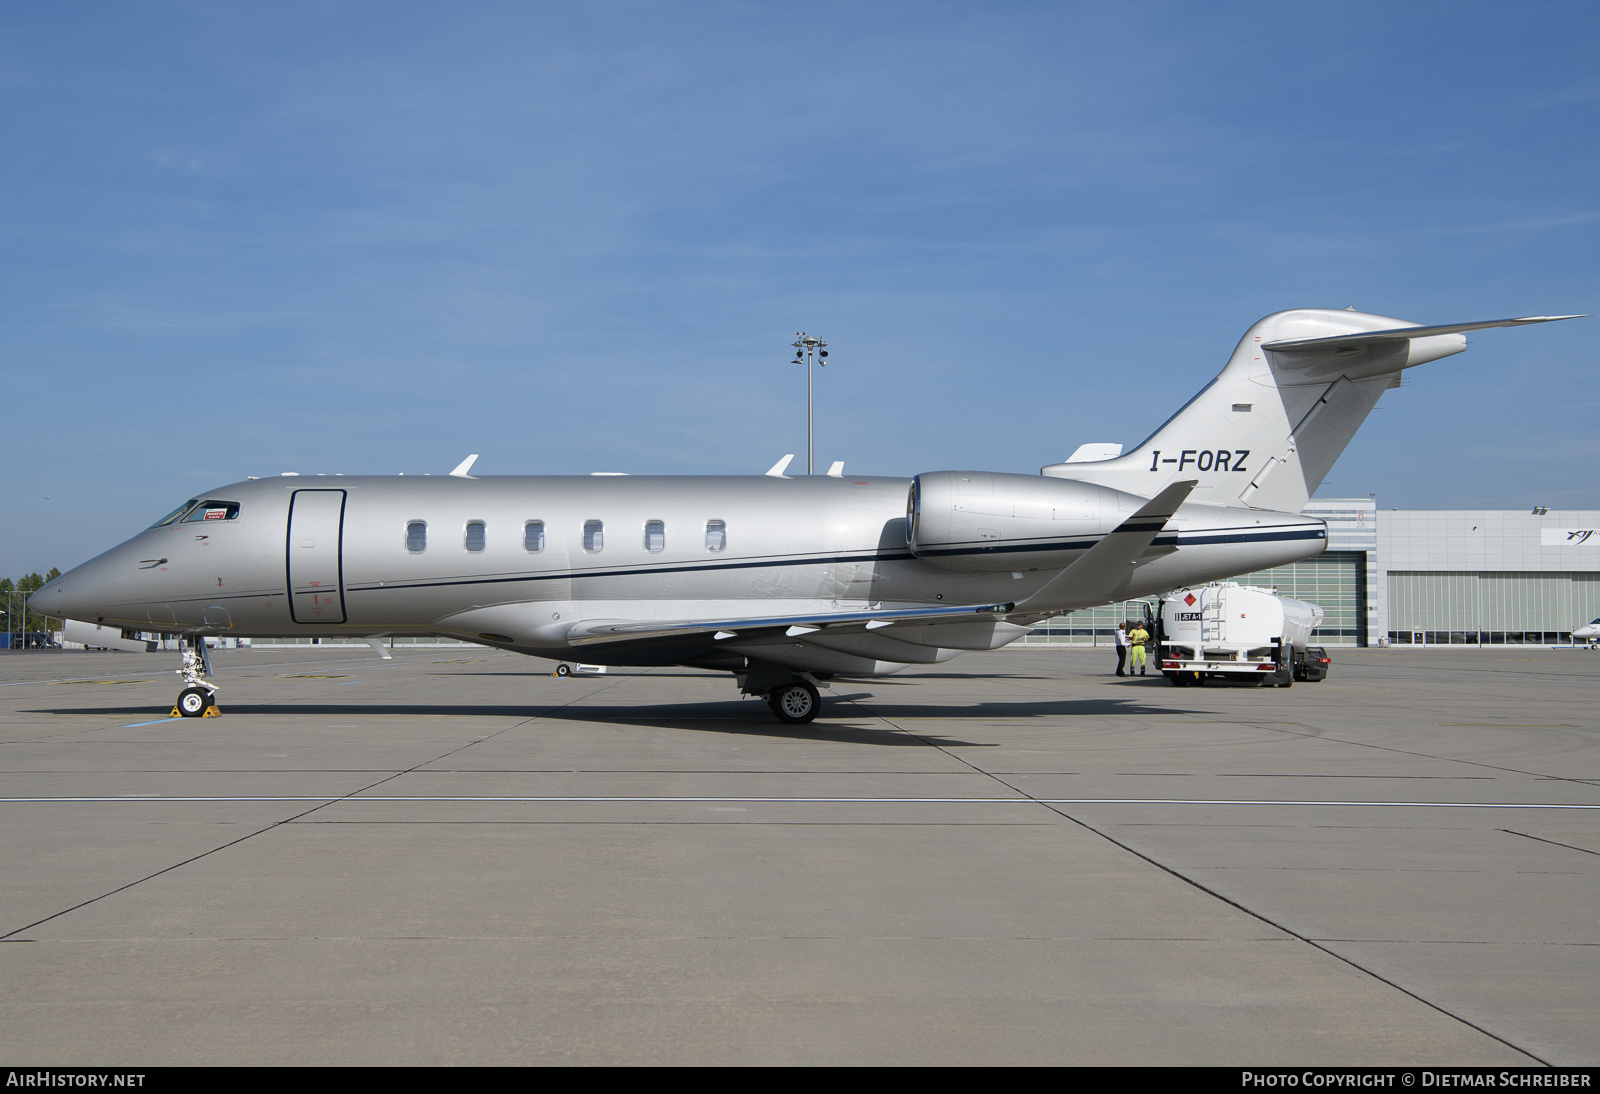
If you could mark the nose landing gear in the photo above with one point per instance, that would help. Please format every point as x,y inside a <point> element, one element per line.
<point>198,699</point>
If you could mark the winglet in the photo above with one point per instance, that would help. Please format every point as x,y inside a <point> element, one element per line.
<point>776,470</point>
<point>836,471</point>
<point>1106,567</point>
<point>464,466</point>
<point>376,642</point>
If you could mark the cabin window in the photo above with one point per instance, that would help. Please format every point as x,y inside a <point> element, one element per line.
<point>533,536</point>
<point>213,510</point>
<point>594,536</point>
<point>475,535</point>
<point>716,535</point>
<point>416,536</point>
<point>172,517</point>
<point>655,536</point>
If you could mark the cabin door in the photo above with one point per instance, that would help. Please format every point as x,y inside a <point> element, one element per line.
<point>316,574</point>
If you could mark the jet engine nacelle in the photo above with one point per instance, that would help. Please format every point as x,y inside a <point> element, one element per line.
<point>985,520</point>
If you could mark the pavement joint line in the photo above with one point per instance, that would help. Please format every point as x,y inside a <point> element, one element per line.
<point>623,799</point>
<point>323,803</point>
<point>1581,780</point>
<point>174,672</point>
<point>1553,843</point>
<point>1056,807</point>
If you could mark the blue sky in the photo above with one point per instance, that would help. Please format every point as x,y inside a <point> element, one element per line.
<point>375,237</point>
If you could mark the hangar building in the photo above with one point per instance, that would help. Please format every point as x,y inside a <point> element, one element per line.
<point>1422,577</point>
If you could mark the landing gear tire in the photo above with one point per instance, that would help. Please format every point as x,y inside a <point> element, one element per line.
<point>563,670</point>
<point>796,703</point>
<point>192,702</point>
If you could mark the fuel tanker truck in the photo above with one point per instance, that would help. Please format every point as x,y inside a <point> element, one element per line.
<point>1227,630</point>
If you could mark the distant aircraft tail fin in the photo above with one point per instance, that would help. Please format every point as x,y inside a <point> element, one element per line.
<point>1266,431</point>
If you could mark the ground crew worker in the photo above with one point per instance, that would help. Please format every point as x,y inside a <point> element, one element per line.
<point>1137,638</point>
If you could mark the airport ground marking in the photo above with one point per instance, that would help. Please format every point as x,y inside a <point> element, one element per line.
<point>1058,807</point>
<point>281,665</point>
<point>315,804</point>
<point>1551,842</point>
<point>357,797</point>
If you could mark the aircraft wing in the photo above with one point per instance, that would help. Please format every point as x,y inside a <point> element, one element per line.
<point>1401,334</point>
<point>601,631</point>
<point>1097,576</point>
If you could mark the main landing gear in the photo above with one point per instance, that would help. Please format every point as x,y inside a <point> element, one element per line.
<point>791,694</point>
<point>795,703</point>
<point>198,699</point>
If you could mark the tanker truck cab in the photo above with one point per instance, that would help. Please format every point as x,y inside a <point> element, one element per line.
<point>1230,631</point>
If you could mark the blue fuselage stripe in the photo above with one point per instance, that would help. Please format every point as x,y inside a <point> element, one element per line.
<point>1038,547</point>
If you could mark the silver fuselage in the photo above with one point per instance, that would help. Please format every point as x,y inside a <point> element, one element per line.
<point>330,556</point>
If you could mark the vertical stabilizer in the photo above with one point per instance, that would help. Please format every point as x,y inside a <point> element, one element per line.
<point>1267,430</point>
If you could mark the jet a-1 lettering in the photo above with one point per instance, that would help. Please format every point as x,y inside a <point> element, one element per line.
<point>783,582</point>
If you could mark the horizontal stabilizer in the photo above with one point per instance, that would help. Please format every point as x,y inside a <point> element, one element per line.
<point>1095,451</point>
<point>1108,566</point>
<point>1267,431</point>
<point>1401,334</point>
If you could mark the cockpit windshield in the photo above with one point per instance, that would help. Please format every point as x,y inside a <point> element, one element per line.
<point>195,510</point>
<point>172,517</point>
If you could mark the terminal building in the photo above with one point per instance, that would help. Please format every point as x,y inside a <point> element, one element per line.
<point>1421,577</point>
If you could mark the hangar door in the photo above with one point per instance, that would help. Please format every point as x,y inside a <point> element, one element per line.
<point>316,575</point>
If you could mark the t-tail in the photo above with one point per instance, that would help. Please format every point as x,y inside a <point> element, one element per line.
<point>1266,431</point>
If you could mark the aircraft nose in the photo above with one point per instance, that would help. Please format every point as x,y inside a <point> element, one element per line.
<point>50,599</point>
<point>79,593</point>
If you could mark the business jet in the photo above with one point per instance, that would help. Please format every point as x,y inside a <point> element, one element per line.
<point>784,582</point>
<point>1589,633</point>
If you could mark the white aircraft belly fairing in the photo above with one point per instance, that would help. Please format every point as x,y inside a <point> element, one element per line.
<point>782,581</point>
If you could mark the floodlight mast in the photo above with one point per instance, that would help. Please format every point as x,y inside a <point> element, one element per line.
<point>809,349</point>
